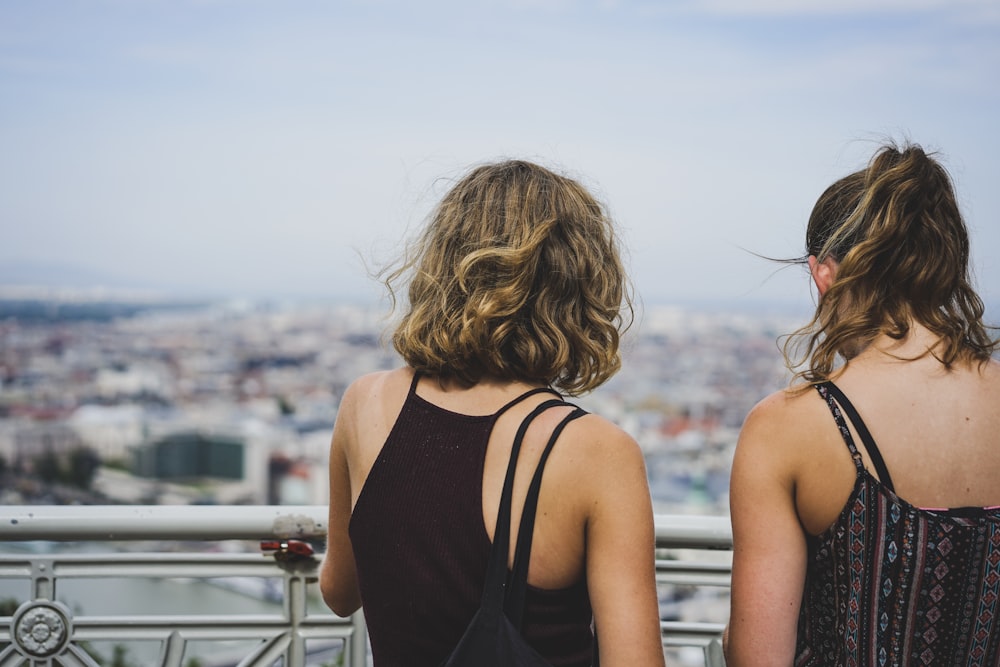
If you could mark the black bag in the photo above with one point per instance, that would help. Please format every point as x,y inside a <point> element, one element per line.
<point>493,637</point>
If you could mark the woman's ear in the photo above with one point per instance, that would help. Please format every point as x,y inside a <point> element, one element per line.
<point>823,273</point>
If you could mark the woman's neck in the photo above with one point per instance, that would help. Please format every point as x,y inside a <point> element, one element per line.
<point>919,343</point>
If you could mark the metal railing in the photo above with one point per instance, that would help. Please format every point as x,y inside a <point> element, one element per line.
<point>294,631</point>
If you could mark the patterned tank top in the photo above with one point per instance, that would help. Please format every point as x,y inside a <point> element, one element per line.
<point>893,584</point>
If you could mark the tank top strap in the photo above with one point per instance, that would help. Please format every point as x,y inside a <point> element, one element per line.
<point>837,401</point>
<point>413,384</point>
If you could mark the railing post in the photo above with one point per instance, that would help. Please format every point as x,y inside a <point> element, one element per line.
<point>295,608</point>
<point>43,580</point>
<point>359,641</point>
<point>714,656</point>
<point>296,650</point>
<point>173,650</point>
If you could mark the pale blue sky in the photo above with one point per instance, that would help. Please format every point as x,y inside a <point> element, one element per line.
<point>254,148</point>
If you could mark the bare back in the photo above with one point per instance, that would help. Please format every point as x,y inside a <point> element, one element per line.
<point>937,430</point>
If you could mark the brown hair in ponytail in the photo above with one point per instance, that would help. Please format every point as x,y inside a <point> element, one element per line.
<point>903,253</point>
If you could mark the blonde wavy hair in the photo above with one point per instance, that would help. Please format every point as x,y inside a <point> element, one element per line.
<point>516,276</point>
<point>903,252</point>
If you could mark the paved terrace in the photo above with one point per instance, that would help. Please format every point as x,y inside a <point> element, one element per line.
<point>131,543</point>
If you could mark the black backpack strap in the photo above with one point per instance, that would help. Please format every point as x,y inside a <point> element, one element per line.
<point>496,569</point>
<point>514,604</point>
<point>518,399</point>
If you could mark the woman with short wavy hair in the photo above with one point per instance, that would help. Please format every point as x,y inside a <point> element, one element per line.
<point>515,289</point>
<point>866,530</point>
<point>517,277</point>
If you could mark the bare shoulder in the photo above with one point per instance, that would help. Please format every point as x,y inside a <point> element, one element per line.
<point>601,450</point>
<point>372,388</point>
<point>373,399</point>
<point>601,434</point>
<point>777,430</point>
<point>373,383</point>
<point>788,414</point>
<point>602,472</point>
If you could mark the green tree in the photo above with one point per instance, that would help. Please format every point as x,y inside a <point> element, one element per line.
<point>47,467</point>
<point>83,465</point>
<point>285,406</point>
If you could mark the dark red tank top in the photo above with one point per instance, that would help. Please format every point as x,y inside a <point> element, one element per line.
<point>421,547</point>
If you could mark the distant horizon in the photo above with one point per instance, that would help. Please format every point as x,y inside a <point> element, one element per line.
<point>22,276</point>
<point>93,286</point>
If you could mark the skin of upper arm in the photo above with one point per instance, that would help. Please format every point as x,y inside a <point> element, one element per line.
<point>338,577</point>
<point>769,545</point>
<point>621,574</point>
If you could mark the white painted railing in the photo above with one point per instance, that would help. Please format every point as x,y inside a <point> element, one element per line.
<point>296,631</point>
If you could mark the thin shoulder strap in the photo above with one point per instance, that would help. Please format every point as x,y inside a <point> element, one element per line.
<point>496,569</point>
<point>838,418</point>
<point>414,381</point>
<point>834,393</point>
<point>514,604</point>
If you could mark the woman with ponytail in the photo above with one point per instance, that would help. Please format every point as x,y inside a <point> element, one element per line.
<point>865,499</point>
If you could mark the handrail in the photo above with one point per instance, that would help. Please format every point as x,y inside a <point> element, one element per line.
<point>684,531</point>
<point>160,522</point>
<point>249,522</point>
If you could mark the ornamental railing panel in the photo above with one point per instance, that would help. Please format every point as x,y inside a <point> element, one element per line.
<point>127,586</point>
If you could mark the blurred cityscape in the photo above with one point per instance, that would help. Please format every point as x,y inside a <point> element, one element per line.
<point>233,403</point>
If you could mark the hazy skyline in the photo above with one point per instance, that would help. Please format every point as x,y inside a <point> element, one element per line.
<point>252,148</point>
